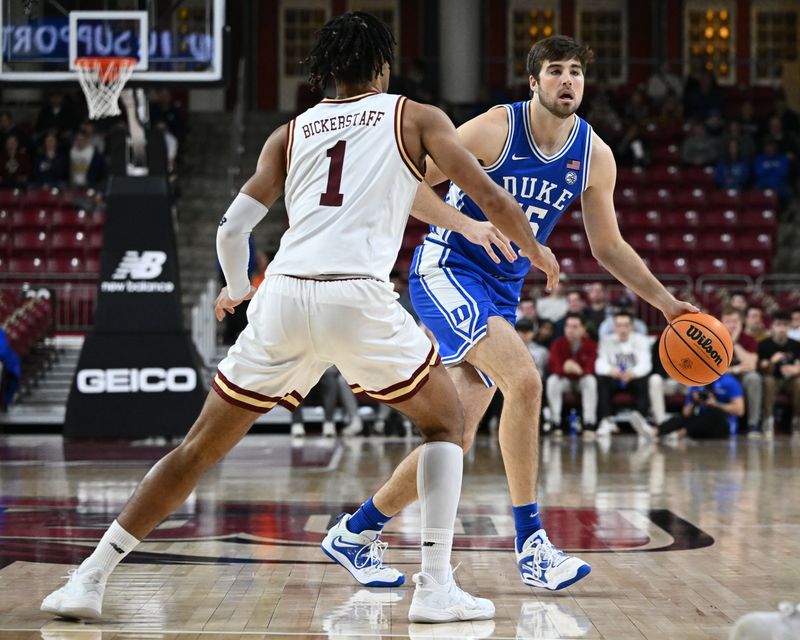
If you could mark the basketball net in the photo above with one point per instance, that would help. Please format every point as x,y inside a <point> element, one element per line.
<point>102,80</point>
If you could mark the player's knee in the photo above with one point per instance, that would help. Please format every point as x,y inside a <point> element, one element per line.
<point>197,456</point>
<point>526,384</point>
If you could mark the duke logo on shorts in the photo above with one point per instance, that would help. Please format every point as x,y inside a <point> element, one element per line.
<point>454,285</point>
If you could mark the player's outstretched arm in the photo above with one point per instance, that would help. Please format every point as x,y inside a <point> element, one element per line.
<point>244,213</point>
<point>608,246</point>
<point>439,139</point>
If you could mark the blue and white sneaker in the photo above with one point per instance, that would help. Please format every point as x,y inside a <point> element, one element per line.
<point>543,565</point>
<point>361,554</point>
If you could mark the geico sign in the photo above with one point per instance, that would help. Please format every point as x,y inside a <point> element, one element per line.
<point>146,380</point>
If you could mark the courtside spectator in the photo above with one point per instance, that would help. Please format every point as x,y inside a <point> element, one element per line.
<point>554,306</point>
<point>659,386</point>
<point>771,169</point>
<point>526,310</point>
<point>622,305</point>
<point>744,366</point>
<point>699,148</point>
<point>779,362</point>
<point>623,363</point>
<point>572,362</point>
<point>732,171</point>
<point>50,166</point>
<point>598,308</point>
<point>15,164</point>
<point>754,325</point>
<point>575,304</point>
<point>539,353</point>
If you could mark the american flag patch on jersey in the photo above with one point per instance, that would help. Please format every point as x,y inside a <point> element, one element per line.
<point>575,165</point>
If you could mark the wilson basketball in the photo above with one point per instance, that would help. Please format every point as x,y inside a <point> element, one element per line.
<point>695,349</point>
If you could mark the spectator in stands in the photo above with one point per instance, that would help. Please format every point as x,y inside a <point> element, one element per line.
<point>779,363</point>
<point>539,353</point>
<point>711,411</point>
<point>598,308</point>
<point>747,144</point>
<point>701,98</point>
<point>96,139</point>
<point>663,83</point>
<point>15,164</point>
<point>575,304</point>
<point>164,109</point>
<point>738,301</point>
<point>790,120</point>
<point>754,325</point>
<point>698,148</point>
<point>748,121</point>
<point>572,361</point>
<point>771,169</point>
<point>744,366</point>
<point>670,114</point>
<point>732,171</point>
<point>526,310</point>
<point>50,166</point>
<point>785,140</point>
<point>7,128</point>
<point>86,164</point>
<point>632,150</point>
<point>58,113</point>
<point>545,334</point>
<point>627,306</point>
<point>794,329</point>
<point>637,111</point>
<point>603,117</point>
<point>623,363</point>
<point>554,306</point>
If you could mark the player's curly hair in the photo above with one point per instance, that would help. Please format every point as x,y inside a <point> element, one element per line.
<point>352,48</point>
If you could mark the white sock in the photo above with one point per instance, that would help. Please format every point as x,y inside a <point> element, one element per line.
<point>115,544</point>
<point>439,487</point>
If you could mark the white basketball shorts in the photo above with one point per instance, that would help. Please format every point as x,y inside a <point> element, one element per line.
<point>297,328</point>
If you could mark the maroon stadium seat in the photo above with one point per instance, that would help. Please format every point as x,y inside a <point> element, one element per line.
<point>27,264</point>
<point>756,198</point>
<point>758,219</point>
<point>44,197</point>
<point>749,266</point>
<point>698,176</point>
<point>641,219</point>
<point>93,264</point>
<point>95,240</point>
<point>714,218</point>
<point>714,241</point>
<point>708,265</point>
<point>687,219</point>
<point>671,265</point>
<point>695,198</point>
<point>665,175</point>
<point>29,240</point>
<point>69,240</point>
<point>74,218</point>
<point>5,218</point>
<point>726,197</point>
<point>31,218</point>
<point>572,219</point>
<point>681,242</point>
<point>644,240</point>
<point>65,263</point>
<point>10,198</point>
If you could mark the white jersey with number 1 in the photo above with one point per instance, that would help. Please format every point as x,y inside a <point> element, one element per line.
<point>349,188</point>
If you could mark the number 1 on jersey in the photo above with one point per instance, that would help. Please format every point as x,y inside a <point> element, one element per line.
<point>332,197</point>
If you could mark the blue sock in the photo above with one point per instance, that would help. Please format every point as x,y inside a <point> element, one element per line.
<point>368,517</point>
<point>526,522</point>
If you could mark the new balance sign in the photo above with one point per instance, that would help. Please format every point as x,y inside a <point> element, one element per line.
<point>145,380</point>
<point>136,273</point>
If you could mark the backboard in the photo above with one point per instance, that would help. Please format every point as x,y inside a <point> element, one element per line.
<point>173,41</point>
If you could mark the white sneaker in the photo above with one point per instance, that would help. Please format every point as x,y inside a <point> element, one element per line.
<point>298,430</point>
<point>607,427</point>
<point>783,624</point>
<point>768,428</point>
<point>355,428</point>
<point>434,602</point>
<point>588,436</point>
<point>641,427</point>
<point>543,565</point>
<point>361,554</point>
<point>81,597</point>
<point>328,430</point>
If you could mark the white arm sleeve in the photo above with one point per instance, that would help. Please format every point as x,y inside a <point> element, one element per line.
<point>233,237</point>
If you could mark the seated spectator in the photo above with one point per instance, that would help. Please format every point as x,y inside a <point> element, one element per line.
<point>539,353</point>
<point>15,164</point>
<point>164,109</point>
<point>744,366</point>
<point>572,360</point>
<point>790,120</point>
<point>86,164</point>
<point>794,329</point>
<point>50,166</point>
<point>732,171</point>
<point>659,386</point>
<point>96,139</point>
<point>545,334</point>
<point>598,309</point>
<point>670,115</point>
<point>553,307</point>
<point>603,117</point>
<point>59,114</point>
<point>575,304</point>
<point>779,363</point>
<point>623,363</point>
<point>526,310</point>
<point>738,301</point>
<point>701,98</point>
<point>746,142</point>
<point>622,305</point>
<point>754,325</point>
<point>664,83</point>
<point>637,111</point>
<point>785,140</point>
<point>699,148</point>
<point>748,121</point>
<point>709,412</point>
<point>771,169</point>
<point>632,150</point>
<point>7,128</point>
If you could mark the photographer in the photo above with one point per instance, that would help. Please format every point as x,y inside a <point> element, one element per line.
<point>779,363</point>
<point>709,412</point>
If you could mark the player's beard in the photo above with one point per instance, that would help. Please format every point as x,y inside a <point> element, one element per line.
<point>562,111</point>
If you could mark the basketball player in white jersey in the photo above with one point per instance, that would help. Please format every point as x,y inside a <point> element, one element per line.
<point>542,152</point>
<point>350,169</point>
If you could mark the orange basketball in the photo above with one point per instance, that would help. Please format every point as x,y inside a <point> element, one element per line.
<point>695,349</point>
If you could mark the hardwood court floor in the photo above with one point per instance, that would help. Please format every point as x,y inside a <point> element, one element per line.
<point>682,540</point>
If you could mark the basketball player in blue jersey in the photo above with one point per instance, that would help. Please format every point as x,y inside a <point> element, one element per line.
<point>546,157</point>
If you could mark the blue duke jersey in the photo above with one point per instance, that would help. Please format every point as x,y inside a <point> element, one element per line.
<point>544,186</point>
<point>455,286</point>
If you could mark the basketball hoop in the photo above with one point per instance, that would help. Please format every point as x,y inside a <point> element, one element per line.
<point>102,80</point>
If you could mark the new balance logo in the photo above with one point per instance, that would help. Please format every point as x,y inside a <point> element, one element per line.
<point>117,548</point>
<point>146,265</point>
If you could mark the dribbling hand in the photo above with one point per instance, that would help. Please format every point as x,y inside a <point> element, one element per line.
<point>677,308</point>
<point>223,304</point>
